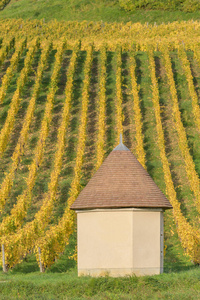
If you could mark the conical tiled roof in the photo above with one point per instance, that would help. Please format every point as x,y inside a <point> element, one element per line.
<point>121,182</point>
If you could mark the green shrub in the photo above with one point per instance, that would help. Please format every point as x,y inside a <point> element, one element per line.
<point>3,3</point>
<point>191,5</point>
<point>184,5</point>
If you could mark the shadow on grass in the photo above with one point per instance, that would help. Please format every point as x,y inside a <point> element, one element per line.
<point>177,268</point>
<point>90,147</point>
<point>126,122</point>
<point>110,82</point>
<point>144,105</point>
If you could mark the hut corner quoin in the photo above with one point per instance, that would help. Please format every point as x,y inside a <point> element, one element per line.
<point>120,219</point>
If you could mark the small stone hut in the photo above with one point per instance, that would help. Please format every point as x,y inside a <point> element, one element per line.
<point>120,219</point>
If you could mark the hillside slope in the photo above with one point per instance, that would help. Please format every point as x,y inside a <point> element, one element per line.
<point>79,10</point>
<point>64,102</point>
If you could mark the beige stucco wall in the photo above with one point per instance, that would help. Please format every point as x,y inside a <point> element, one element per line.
<point>119,242</point>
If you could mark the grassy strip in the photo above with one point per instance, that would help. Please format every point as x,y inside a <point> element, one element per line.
<point>69,155</point>
<point>194,59</point>
<point>94,118</point>
<point>180,285</point>
<point>110,101</point>
<point>137,113</point>
<point>79,10</point>
<point>188,73</point>
<point>100,142</point>
<point>153,163</point>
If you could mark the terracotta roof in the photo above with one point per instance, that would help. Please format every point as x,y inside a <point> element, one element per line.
<point>121,182</point>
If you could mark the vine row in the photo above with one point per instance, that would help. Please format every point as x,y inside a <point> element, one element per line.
<point>189,236</point>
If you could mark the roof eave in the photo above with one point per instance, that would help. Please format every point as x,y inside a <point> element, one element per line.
<point>119,207</point>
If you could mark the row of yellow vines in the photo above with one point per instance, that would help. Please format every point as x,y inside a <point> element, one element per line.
<point>186,67</point>
<point>25,235</point>
<point>57,237</point>
<point>14,105</point>
<point>182,137</point>
<point>53,241</point>
<point>127,35</point>
<point>10,223</point>
<point>7,46</point>
<point>19,47</point>
<point>189,236</point>
<point>137,113</point>
<point>101,108</point>
<point>28,236</point>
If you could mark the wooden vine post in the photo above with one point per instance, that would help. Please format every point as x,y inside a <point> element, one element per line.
<point>5,269</point>
<point>42,269</point>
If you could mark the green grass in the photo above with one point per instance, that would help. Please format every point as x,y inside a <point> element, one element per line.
<point>61,282</point>
<point>96,10</point>
<point>174,285</point>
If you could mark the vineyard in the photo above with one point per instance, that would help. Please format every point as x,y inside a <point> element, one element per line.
<point>67,91</point>
<point>3,3</point>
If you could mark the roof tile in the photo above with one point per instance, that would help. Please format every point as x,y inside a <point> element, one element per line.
<point>121,181</point>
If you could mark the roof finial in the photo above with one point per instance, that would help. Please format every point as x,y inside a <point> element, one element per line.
<point>120,139</point>
<point>121,146</point>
